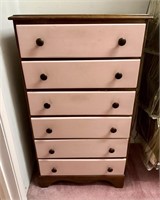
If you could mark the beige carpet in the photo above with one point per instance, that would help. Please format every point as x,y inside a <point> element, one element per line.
<point>140,184</point>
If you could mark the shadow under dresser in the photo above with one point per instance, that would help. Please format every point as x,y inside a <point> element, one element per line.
<point>81,75</point>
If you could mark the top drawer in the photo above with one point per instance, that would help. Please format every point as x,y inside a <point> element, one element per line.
<point>80,40</point>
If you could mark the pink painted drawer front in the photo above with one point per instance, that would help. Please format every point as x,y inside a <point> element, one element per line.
<point>82,166</point>
<point>81,103</point>
<point>81,74</point>
<point>74,148</point>
<point>80,40</point>
<point>81,127</point>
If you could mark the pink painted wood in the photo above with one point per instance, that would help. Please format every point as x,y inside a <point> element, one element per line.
<point>74,148</point>
<point>81,127</point>
<point>81,74</point>
<point>81,40</point>
<point>81,103</point>
<point>82,166</point>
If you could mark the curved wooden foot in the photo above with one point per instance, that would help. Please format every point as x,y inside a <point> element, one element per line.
<point>45,181</point>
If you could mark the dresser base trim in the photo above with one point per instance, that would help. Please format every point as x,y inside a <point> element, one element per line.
<point>45,181</point>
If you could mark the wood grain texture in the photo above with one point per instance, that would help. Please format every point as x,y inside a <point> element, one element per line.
<point>64,19</point>
<point>45,181</point>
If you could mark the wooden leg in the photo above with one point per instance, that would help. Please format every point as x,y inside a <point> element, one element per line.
<point>45,181</point>
<point>117,181</point>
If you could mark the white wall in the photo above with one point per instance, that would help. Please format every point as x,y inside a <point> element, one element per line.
<point>11,82</point>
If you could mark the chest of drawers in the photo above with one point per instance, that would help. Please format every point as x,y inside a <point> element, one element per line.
<point>81,74</point>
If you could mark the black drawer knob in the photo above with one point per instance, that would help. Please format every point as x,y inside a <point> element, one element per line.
<point>39,42</point>
<point>122,42</point>
<point>110,169</point>
<point>47,105</point>
<point>113,130</point>
<point>54,170</point>
<point>43,77</point>
<point>115,105</point>
<point>118,75</point>
<point>49,130</point>
<point>51,151</point>
<point>111,150</point>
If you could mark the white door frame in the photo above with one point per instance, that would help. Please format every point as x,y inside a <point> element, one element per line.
<point>12,183</point>
<point>4,191</point>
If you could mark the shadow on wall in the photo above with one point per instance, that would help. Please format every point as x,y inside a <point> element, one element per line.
<point>14,73</point>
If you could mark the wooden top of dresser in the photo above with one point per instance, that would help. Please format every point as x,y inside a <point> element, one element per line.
<point>83,18</point>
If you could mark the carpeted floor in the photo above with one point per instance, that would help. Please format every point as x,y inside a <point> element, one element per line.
<point>139,185</point>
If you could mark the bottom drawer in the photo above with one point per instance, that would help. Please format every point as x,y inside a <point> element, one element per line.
<point>82,166</point>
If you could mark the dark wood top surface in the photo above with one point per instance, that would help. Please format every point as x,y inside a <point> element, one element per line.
<point>83,18</point>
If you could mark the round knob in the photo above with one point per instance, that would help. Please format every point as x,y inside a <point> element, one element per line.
<point>39,42</point>
<point>51,151</point>
<point>54,170</point>
<point>110,169</point>
<point>47,105</point>
<point>122,42</point>
<point>48,130</point>
<point>111,150</point>
<point>43,77</point>
<point>115,105</point>
<point>118,75</point>
<point>113,130</point>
